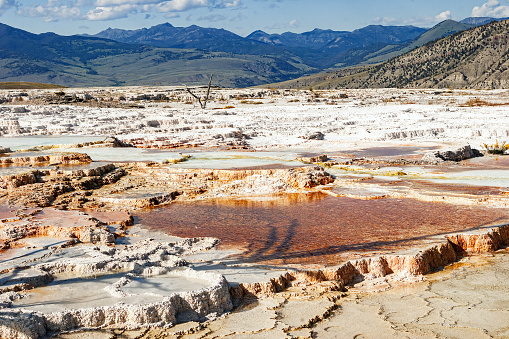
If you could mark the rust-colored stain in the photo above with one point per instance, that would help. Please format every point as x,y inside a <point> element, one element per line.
<point>456,188</point>
<point>6,212</point>
<point>53,217</point>
<point>320,230</point>
<point>110,217</point>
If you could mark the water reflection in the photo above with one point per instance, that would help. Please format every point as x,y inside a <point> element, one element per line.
<point>313,229</point>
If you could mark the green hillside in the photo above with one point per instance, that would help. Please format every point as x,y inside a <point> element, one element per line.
<point>88,61</point>
<point>27,85</point>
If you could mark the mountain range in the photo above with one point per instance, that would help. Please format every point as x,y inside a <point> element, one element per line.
<point>318,48</point>
<point>474,58</point>
<point>169,55</point>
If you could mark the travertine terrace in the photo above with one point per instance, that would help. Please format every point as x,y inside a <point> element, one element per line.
<point>87,176</point>
<point>168,117</point>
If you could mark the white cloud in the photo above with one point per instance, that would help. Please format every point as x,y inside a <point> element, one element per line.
<point>172,15</point>
<point>294,24</point>
<point>108,3</point>
<point>492,8</point>
<point>443,16</point>
<point>110,13</point>
<point>180,5</point>
<point>212,18</point>
<point>280,26</point>
<point>185,5</point>
<point>427,21</point>
<point>52,11</point>
<point>6,4</point>
<point>385,21</point>
<point>173,5</point>
<point>228,4</point>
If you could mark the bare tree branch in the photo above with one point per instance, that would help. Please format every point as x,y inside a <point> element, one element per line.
<point>208,91</point>
<point>204,103</point>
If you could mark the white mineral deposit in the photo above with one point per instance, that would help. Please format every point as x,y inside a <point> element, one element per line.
<point>270,214</point>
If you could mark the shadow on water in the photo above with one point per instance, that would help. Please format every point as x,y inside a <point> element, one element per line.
<point>320,231</point>
<point>281,251</point>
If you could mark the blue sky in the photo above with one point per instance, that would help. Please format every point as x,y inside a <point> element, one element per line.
<point>68,17</point>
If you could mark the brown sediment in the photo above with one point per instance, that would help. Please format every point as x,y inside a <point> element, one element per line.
<point>6,212</point>
<point>489,161</point>
<point>17,180</point>
<point>71,158</point>
<point>320,231</point>
<point>122,218</point>
<point>457,188</point>
<point>73,225</point>
<point>407,151</point>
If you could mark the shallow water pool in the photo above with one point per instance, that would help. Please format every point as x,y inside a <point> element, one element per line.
<point>316,229</point>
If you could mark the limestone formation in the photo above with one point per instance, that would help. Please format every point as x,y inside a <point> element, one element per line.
<point>55,186</point>
<point>314,136</point>
<point>10,127</point>
<point>374,143</point>
<point>313,160</point>
<point>152,185</point>
<point>72,158</point>
<point>144,259</point>
<point>401,115</point>
<point>13,181</point>
<point>421,262</point>
<point>482,240</point>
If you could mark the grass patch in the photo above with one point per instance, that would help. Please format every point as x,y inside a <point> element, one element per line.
<point>476,102</point>
<point>27,85</point>
<point>251,102</point>
<point>183,158</point>
<point>496,148</point>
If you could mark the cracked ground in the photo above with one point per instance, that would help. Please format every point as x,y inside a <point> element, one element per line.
<point>467,300</point>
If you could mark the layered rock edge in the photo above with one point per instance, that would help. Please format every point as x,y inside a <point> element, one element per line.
<point>150,257</point>
<point>420,261</point>
<point>144,259</point>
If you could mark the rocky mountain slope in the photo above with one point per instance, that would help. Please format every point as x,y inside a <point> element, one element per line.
<point>167,55</point>
<point>90,61</point>
<point>318,48</point>
<point>441,30</point>
<point>475,58</point>
<point>340,40</point>
<point>479,21</point>
<point>168,36</point>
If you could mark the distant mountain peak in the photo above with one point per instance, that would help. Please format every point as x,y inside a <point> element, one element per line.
<point>258,32</point>
<point>481,20</point>
<point>318,30</point>
<point>165,24</point>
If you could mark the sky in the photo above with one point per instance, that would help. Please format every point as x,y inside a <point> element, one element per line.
<point>67,17</point>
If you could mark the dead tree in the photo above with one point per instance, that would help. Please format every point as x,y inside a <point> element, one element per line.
<point>203,103</point>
